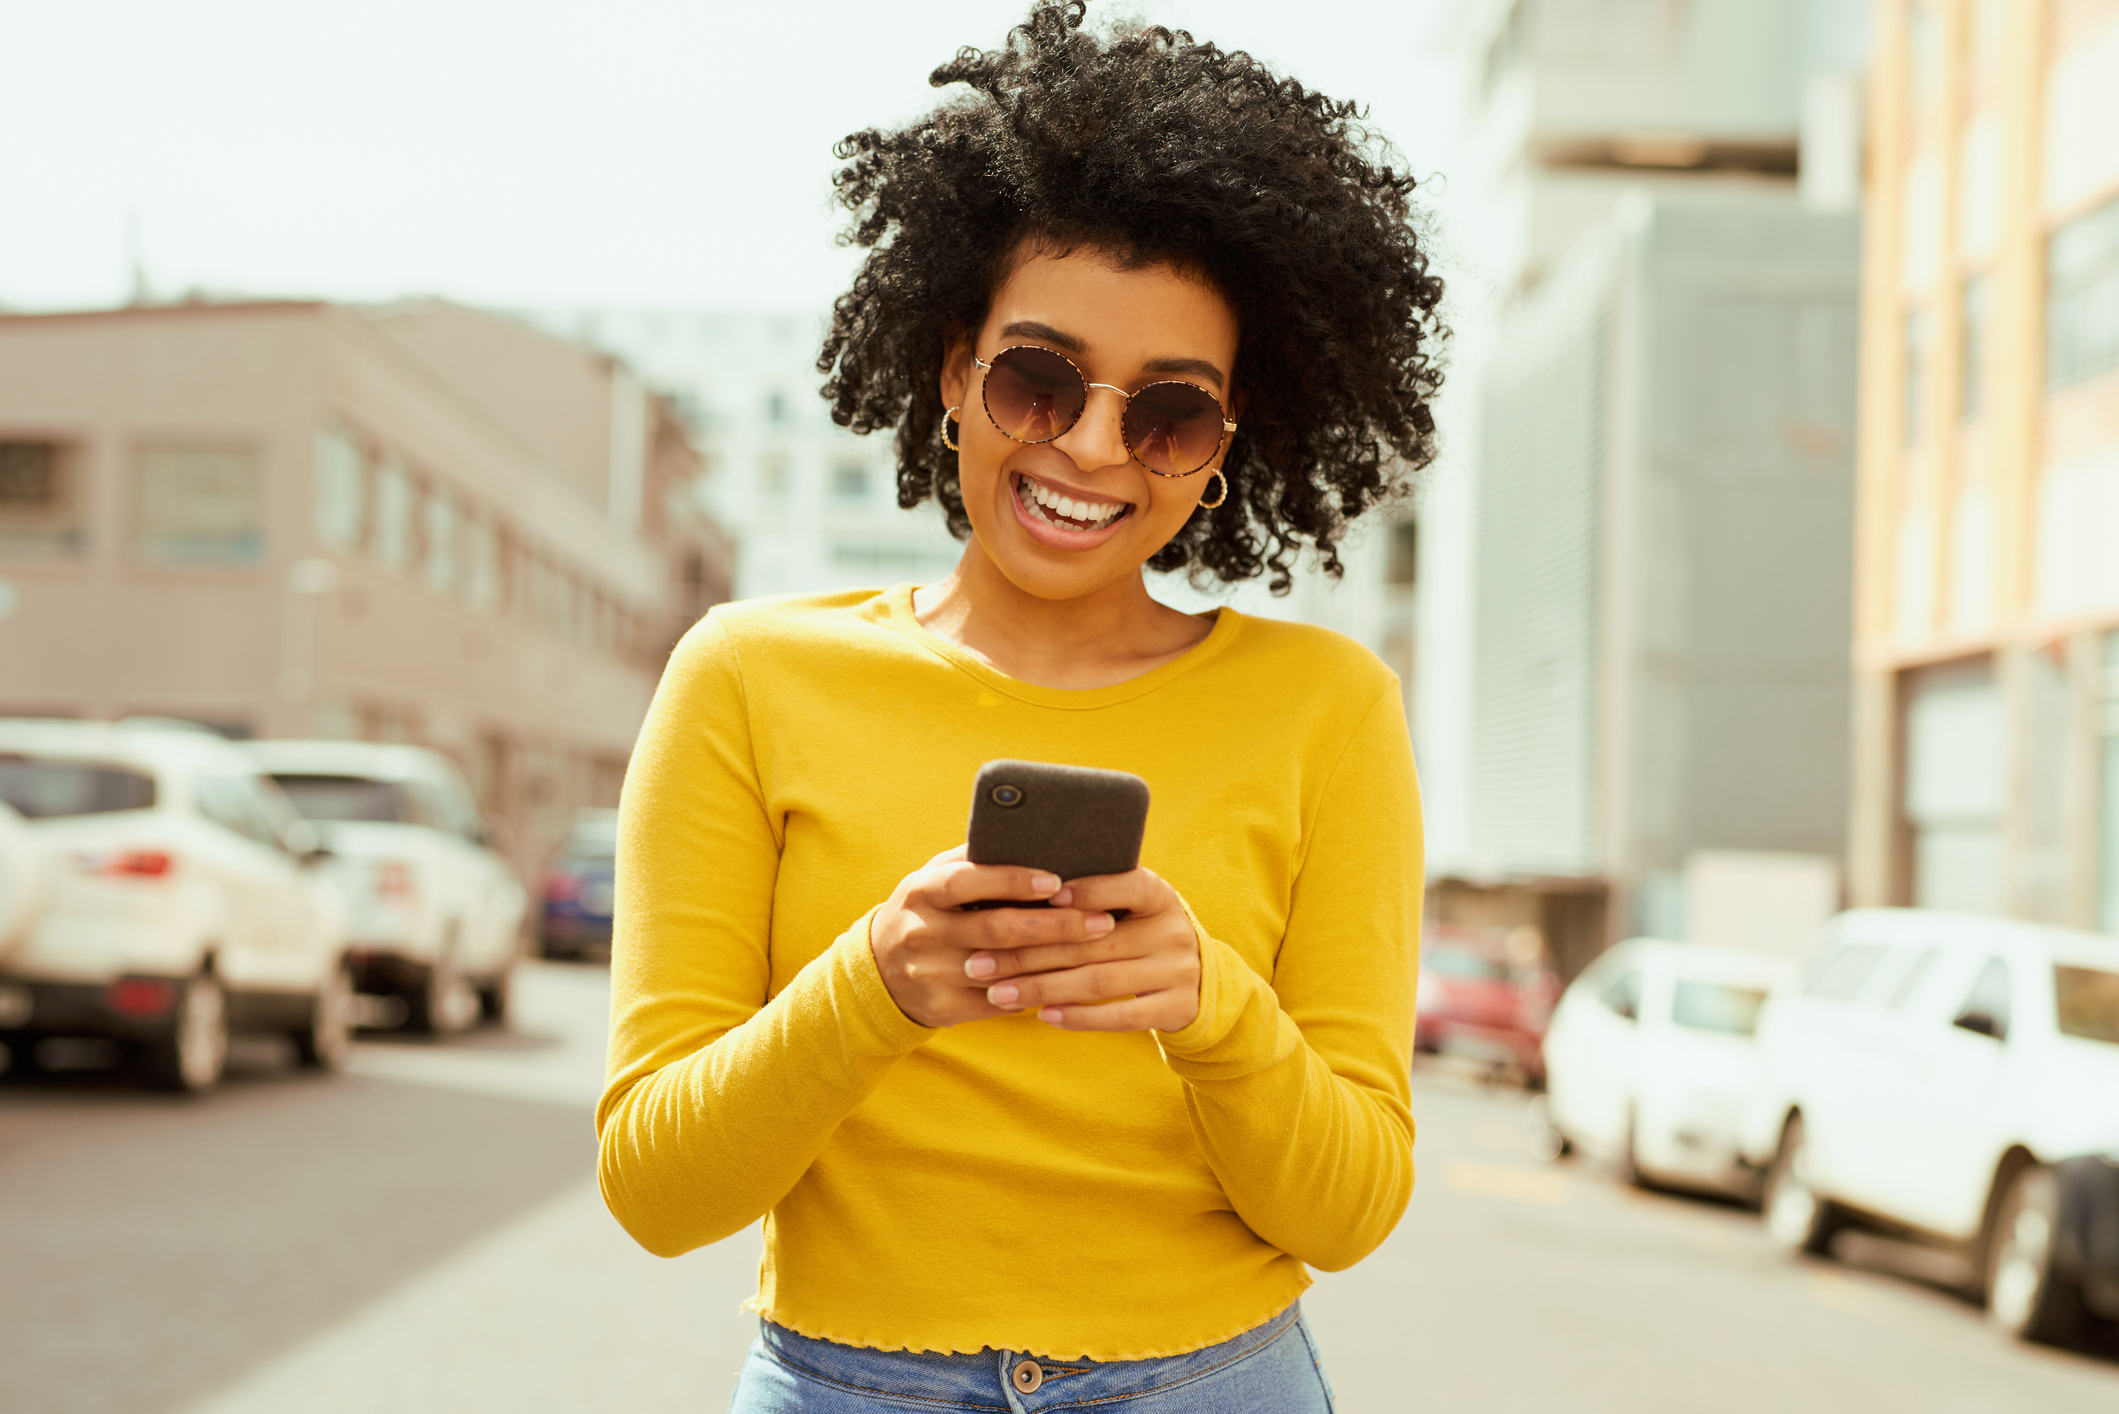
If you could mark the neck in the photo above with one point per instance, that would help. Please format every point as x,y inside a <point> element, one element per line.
<point>1107,636</point>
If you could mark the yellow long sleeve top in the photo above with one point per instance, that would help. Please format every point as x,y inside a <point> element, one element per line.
<point>1004,1183</point>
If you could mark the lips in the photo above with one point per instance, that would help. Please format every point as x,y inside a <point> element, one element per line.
<point>1063,510</point>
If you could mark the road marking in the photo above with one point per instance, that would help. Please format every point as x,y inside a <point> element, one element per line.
<point>1513,1181</point>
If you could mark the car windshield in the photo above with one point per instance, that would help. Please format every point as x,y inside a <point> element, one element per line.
<point>43,789</point>
<point>596,840</point>
<point>2088,1000</point>
<point>1463,962</point>
<point>347,798</point>
<point>1716,1006</point>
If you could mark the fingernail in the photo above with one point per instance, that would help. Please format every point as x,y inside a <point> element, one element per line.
<point>1098,924</point>
<point>1003,994</point>
<point>1052,1014</point>
<point>1062,898</point>
<point>1044,883</point>
<point>980,965</point>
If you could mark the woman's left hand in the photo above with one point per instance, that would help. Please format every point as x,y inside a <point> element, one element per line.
<point>1151,959</point>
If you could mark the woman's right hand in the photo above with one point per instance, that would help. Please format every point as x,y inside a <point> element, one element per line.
<point>922,937</point>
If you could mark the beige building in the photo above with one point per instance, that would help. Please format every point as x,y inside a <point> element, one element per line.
<point>408,523</point>
<point>1987,596</point>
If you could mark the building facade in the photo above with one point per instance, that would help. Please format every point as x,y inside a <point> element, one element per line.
<point>411,523</point>
<point>1656,199</point>
<point>1987,630</point>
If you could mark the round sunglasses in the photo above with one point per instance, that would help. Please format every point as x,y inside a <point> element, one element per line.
<point>1034,395</point>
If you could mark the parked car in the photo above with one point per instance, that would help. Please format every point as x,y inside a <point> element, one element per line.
<point>1477,1001</point>
<point>575,917</point>
<point>1649,1060</point>
<point>182,899</point>
<point>1952,1078</point>
<point>21,874</point>
<point>436,913</point>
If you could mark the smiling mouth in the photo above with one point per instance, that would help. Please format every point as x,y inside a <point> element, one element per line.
<point>1066,512</point>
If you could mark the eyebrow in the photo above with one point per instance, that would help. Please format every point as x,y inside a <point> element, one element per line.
<point>1031,329</point>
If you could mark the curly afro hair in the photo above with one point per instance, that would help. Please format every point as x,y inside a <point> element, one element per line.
<point>1156,150</point>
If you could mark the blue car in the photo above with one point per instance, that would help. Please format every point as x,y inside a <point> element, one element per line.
<point>574,919</point>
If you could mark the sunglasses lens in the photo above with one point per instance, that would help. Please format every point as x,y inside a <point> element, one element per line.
<point>1033,395</point>
<point>1174,428</point>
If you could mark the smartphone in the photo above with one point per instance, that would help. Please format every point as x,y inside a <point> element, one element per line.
<point>1073,821</point>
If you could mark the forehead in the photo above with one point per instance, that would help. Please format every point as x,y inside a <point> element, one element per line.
<point>1125,316</point>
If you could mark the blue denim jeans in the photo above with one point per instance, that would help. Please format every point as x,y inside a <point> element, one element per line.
<point>1269,1369</point>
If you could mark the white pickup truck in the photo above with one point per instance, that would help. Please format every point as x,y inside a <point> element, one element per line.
<point>436,914</point>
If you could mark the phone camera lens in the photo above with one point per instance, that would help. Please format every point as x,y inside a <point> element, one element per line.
<point>1007,795</point>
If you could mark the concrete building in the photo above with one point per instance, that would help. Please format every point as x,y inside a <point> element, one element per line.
<point>411,523</point>
<point>1626,660</point>
<point>1987,648</point>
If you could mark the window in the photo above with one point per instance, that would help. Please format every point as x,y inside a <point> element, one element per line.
<point>1954,788</point>
<point>2088,1000</point>
<point>1977,301</point>
<point>40,505</point>
<point>393,517</point>
<point>1986,1006</point>
<point>1622,995</point>
<point>1404,569</point>
<point>440,537</point>
<point>233,805</point>
<point>46,790</point>
<point>1924,55</point>
<point>2082,297</point>
<point>481,569</point>
<point>341,491</point>
<point>776,407</point>
<point>1917,340</point>
<point>849,481</point>
<point>1909,982</point>
<point>200,506</point>
<point>346,798</point>
<point>1713,1006</point>
<point>1842,976</point>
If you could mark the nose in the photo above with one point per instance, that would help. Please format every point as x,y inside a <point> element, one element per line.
<point>1097,438</point>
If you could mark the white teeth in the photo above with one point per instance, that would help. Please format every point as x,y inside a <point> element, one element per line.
<point>1041,498</point>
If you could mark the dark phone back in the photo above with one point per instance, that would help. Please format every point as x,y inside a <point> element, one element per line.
<point>1073,821</point>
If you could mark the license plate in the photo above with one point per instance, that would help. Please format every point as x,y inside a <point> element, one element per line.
<point>16,1003</point>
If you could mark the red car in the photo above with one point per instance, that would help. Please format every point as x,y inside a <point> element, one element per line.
<point>1476,1002</point>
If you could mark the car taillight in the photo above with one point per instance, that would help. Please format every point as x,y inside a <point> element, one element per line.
<point>141,996</point>
<point>126,863</point>
<point>393,880</point>
<point>561,887</point>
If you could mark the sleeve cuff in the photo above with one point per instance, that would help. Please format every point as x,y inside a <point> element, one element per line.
<point>854,976</point>
<point>1240,1027</point>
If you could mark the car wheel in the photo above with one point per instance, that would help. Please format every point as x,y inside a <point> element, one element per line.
<point>324,1043</point>
<point>1798,1217</point>
<point>443,1004</point>
<point>2026,1295</point>
<point>192,1057</point>
<point>495,995</point>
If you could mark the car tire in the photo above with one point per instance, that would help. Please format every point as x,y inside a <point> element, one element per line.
<point>2026,1294</point>
<point>1798,1217</point>
<point>496,995</point>
<point>443,1002</point>
<point>193,1056</point>
<point>326,1041</point>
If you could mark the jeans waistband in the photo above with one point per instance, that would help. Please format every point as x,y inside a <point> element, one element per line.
<point>982,1380</point>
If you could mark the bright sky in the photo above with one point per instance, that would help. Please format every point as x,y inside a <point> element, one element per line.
<point>522,152</point>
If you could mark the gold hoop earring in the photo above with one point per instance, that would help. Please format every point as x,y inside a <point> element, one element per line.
<point>946,441</point>
<point>1206,505</point>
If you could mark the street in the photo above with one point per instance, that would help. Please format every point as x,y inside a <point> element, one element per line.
<point>424,1233</point>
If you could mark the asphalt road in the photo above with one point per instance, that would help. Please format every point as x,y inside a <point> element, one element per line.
<point>423,1234</point>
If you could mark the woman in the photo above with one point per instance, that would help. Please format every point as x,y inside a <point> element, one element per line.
<point>1134,301</point>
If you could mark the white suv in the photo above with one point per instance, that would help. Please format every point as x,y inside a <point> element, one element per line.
<point>179,900</point>
<point>436,913</point>
<point>1954,1078</point>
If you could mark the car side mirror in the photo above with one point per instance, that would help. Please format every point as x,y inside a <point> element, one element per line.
<point>1980,1023</point>
<point>315,855</point>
